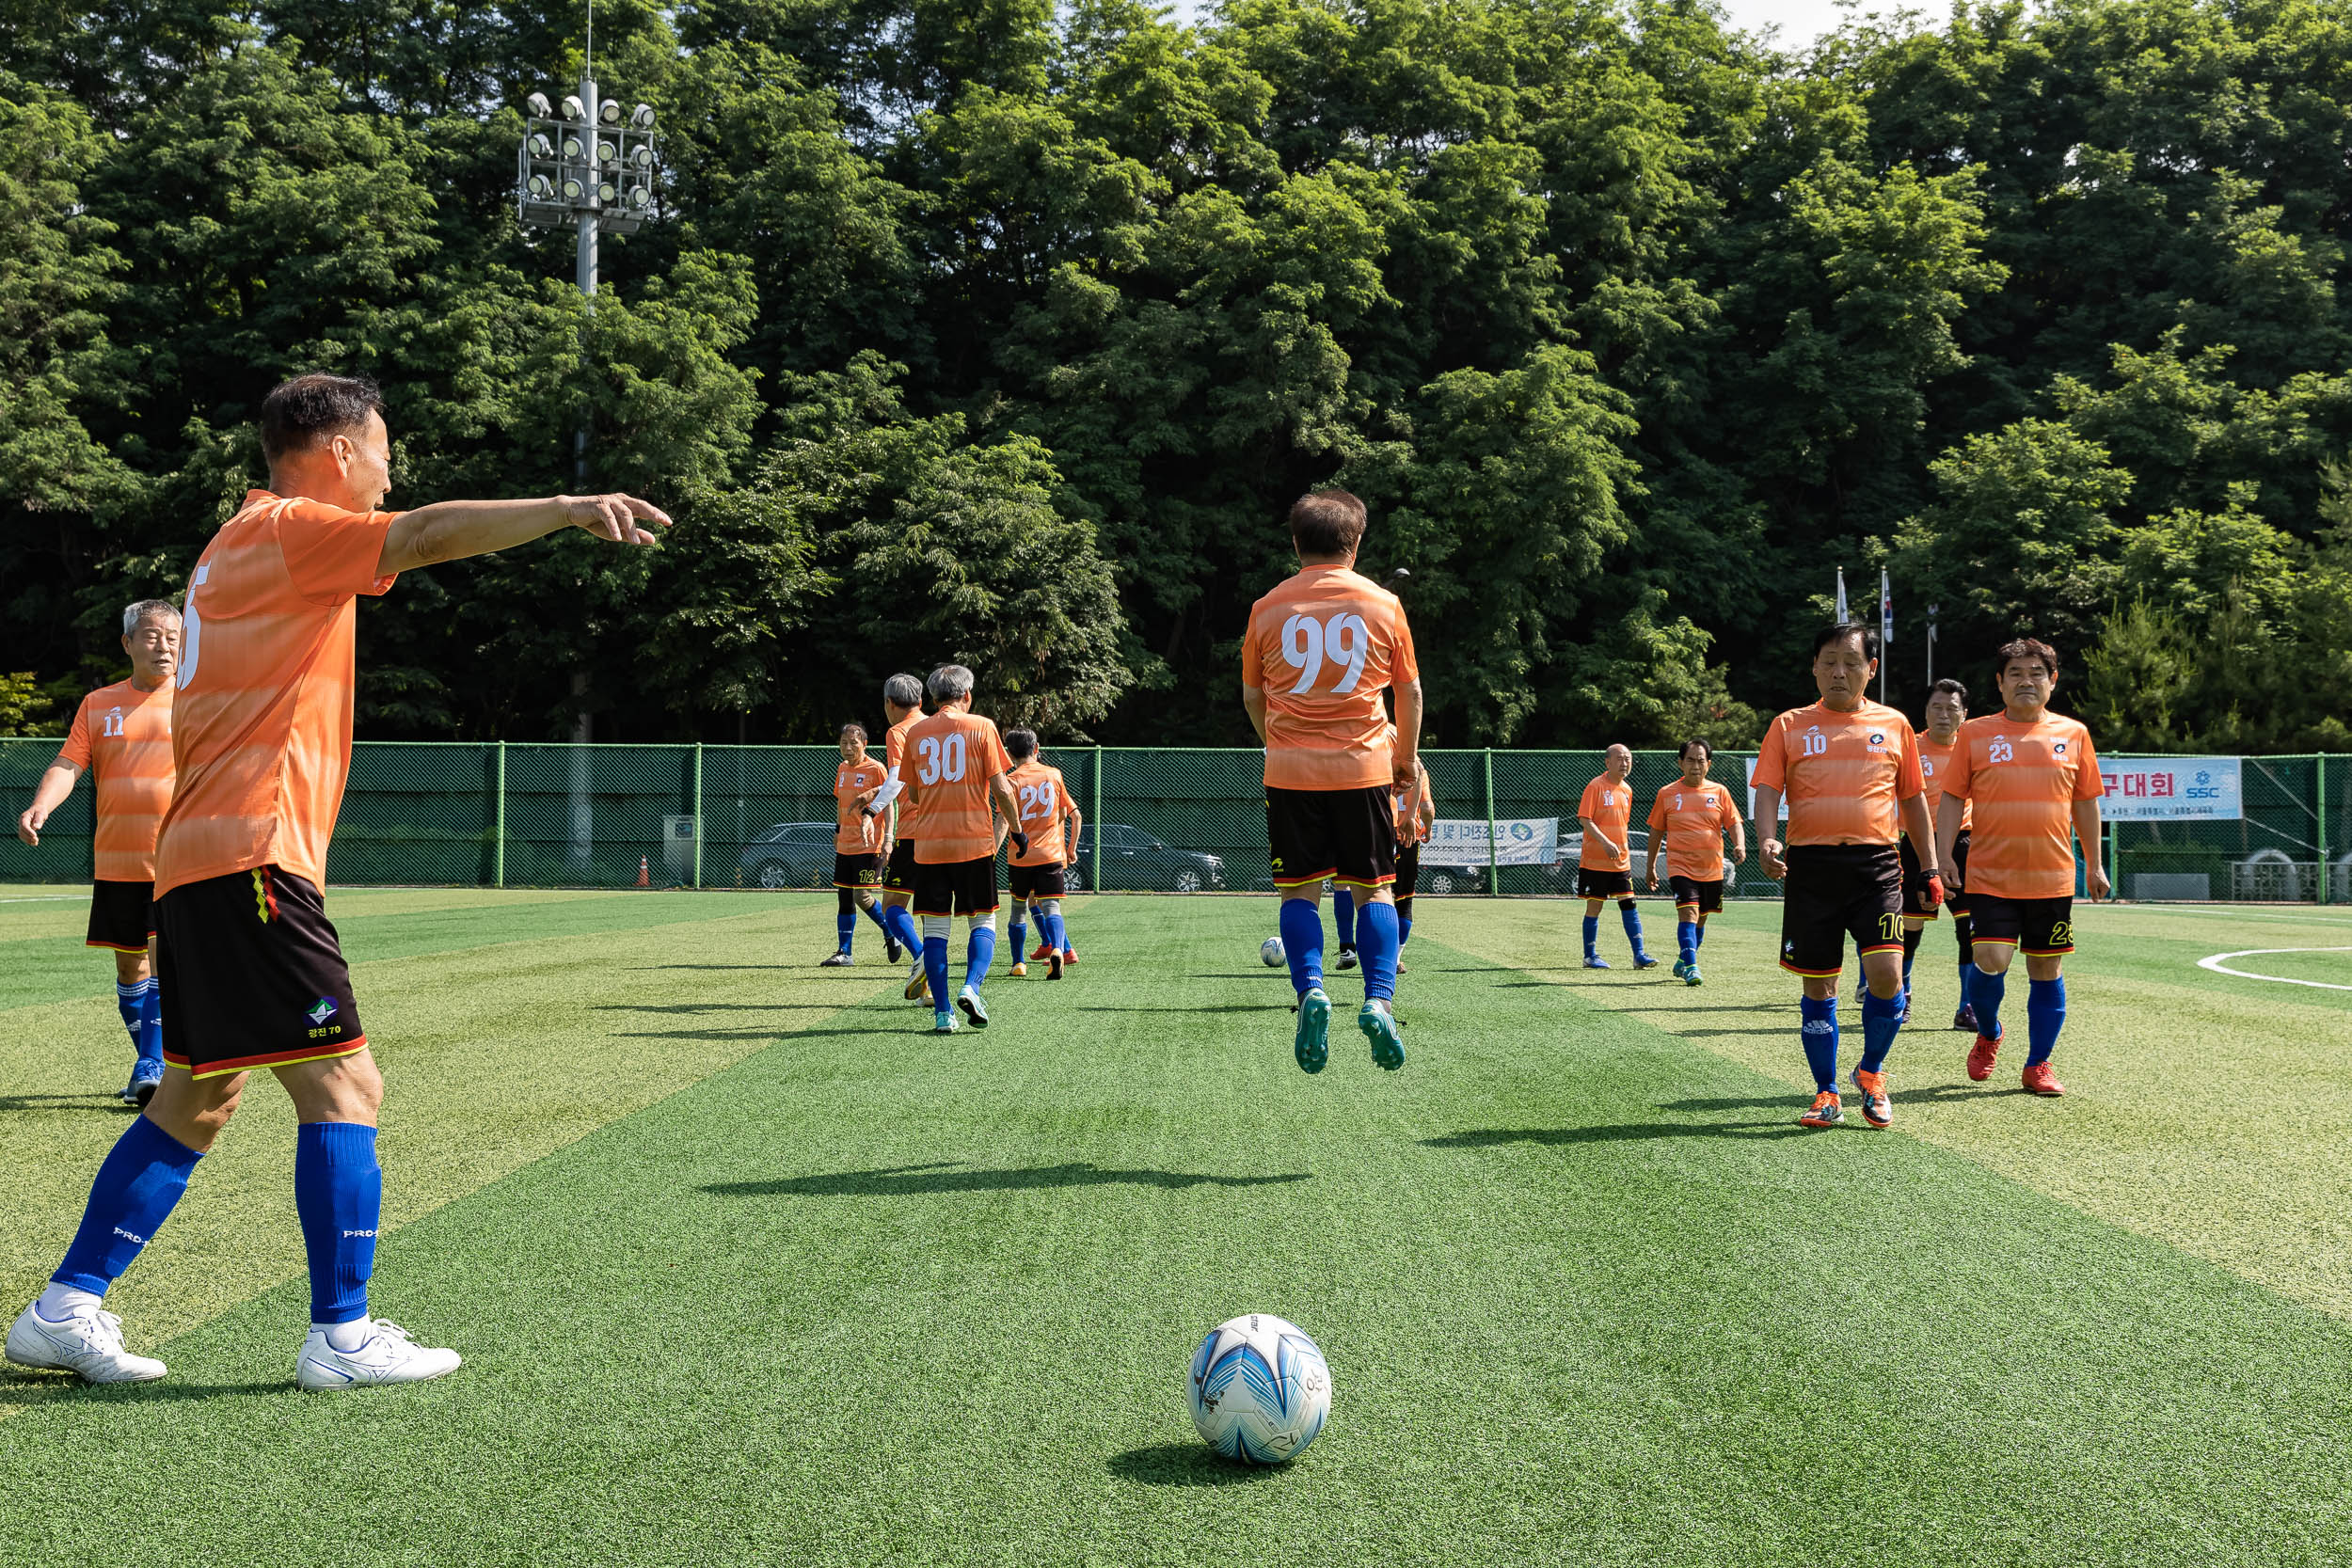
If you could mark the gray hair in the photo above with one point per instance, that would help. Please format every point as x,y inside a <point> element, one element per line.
<point>949,682</point>
<point>133,614</point>
<point>903,692</point>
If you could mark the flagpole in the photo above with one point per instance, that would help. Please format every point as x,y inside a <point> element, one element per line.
<point>1886,631</point>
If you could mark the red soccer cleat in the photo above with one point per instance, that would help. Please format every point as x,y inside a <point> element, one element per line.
<point>1878,1106</point>
<point>1070,955</point>
<point>1981,1058</point>
<point>2041,1081</point>
<point>1826,1111</point>
<point>1044,950</point>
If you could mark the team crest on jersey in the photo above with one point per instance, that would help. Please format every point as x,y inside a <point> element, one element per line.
<point>2057,748</point>
<point>1878,738</point>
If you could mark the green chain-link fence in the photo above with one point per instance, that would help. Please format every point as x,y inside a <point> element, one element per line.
<point>555,816</point>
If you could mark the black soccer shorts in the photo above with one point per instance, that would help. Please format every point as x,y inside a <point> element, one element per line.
<point>2045,927</point>
<point>899,877</point>
<point>1707,896</point>
<point>857,871</point>
<point>1835,891</point>
<point>1604,884</point>
<point>1408,871</point>
<point>253,976</point>
<point>1035,881</point>
<point>1956,898</point>
<point>956,887</point>
<point>121,916</point>
<point>1348,835</point>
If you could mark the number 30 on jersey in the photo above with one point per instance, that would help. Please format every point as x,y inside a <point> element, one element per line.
<point>943,759</point>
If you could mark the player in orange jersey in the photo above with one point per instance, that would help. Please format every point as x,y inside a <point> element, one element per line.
<point>903,702</point>
<point>1320,649</point>
<point>861,840</point>
<point>1604,857</point>
<point>2028,782</point>
<point>1691,818</point>
<point>1039,874</point>
<point>1947,709</point>
<point>957,771</point>
<point>121,737</point>
<point>1849,769</point>
<point>253,975</point>
<point>1416,811</point>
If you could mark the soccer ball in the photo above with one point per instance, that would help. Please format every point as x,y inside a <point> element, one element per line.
<point>1259,1389</point>
<point>1270,952</point>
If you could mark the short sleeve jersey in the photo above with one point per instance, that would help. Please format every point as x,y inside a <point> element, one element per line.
<point>1935,763</point>
<point>2022,782</point>
<point>1609,806</point>
<point>123,737</point>
<point>1323,647</point>
<point>1044,800</point>
<point>949,759</point>
<point>261,720</point>
<point>1844,775</point>
<point>1694,822</point>
<point>853,832</point>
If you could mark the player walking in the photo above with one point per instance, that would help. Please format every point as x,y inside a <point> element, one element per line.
<point>902,701</point>
<point>121,737</point>
<point>959,766</point>
<point>251,973</point>
<point>1604,864</point>
<point>2031,779</point>
<point>1319,651</point>
<point>1691,818</point>
<point>1038,873</point>
<point>1415,810</point>
<point>1850,769</point>
<point>860,840</point>
<point>1947,709</point>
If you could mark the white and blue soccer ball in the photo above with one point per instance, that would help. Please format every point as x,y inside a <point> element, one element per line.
<point>1270,952</point>
<point>1259,1389</point>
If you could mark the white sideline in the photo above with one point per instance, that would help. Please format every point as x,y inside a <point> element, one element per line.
<point>2213,962</point>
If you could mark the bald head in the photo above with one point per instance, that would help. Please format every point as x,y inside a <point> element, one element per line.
<point>1617,761</point>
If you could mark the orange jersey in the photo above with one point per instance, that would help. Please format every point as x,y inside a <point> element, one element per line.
<point>1694,822</point>
<point>261,722</point>
<point>1934,763</point>
<point>2021,781</point>
<point>123,737</point>
<point>1044,802</point>
<point>853,832</point>
<point>1609,807</point>
<point>949,759</point>
<point>1844,775</point>
<point>1323,647</point>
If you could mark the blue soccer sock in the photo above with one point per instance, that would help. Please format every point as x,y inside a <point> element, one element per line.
<point>1302,943</point>
<point>2045,1015</point>
<point>1017,932</point>
<point>873,911</point>
<point>1633,918</point>
<point>137,1183</point>
<point>1381,940</point>
<point>1881,1016</point>
<point>845,927</point>
<point>1404,931</point>
<point>1984,994</point>
<point>1701,936</point>
<point>1592,936</point>
<point>339,1195</point>
<point>980,951</point>
<point>1820,1034</point>
<point>899,921</point>
<point>151,1023</point>
<point>131,1002</point>
<point>935,969</point>
<point>1056,932</point>
<point>1687,940</point>
<point>1342,916</point>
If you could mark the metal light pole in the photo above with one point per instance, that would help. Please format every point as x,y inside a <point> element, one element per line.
<point>1931,609</point>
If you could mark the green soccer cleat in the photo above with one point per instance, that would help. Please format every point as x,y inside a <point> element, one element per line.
<point>1311,1045</point>
<point>974,1008</point>
<point>1681,964</point>
<point>1690,977</point>
<point>943,1021</point>
<point>1379,1028</point>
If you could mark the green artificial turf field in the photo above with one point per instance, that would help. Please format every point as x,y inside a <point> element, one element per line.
<point>747,1268</point>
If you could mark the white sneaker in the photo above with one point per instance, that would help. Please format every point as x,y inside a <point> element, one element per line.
<point>386,1355</point>
<point>88,1342</point>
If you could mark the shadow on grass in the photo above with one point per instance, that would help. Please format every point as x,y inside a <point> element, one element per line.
<point>1183,1464</point>
<point>1619,1132</point>
<point>1218,1007</point>
<point>1959,1091</point>
<point>99,1101</point>
<point>781,1031</point>
<point>720,1007</point>
<point>948,1176</point>
<point>21,1390</point>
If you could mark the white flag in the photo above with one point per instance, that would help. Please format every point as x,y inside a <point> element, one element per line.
<point>1841,616</point>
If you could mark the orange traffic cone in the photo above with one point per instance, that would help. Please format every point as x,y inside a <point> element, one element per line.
<point>644,878</point>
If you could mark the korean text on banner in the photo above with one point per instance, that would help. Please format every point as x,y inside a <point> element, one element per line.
<point>2172,789</point>
<point>1527,841</point>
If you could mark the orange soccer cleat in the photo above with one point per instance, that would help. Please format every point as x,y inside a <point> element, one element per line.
<point>1981,1058</point>
<point>1878,1106</point>
<point>1827,1111</point>
<point>2041,1081</point>
<point>1044,950</point>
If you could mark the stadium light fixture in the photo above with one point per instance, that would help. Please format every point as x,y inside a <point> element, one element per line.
<point>573,109</point>
<point>641,116</point>
<point>608,111</point>
<point>537,105</point>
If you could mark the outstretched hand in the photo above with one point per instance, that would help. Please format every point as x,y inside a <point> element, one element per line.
<point>614,517</point>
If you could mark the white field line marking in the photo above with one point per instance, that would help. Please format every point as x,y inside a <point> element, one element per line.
<point>2214,963</point>
<point>2232,911</point>
<point>46,898</point>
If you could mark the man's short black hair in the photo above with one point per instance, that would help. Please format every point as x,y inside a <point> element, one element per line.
<point>300,412</point>
<point>1950,687</point>
<point>1706,746</point>
<point>1843,629</point>
<point>1021,745</point>
<point>2029,648</point>
<point>1328,523</point>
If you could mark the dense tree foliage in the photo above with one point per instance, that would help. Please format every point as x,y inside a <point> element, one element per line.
<point>1004,330</point>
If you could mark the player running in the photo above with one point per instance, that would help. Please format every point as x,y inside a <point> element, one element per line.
<point>1319,651</point>
<point>1691,818</point>
<point>1037,874</point>
<point>959,766</point>
<point>121,737</point>
<point>1604,864</point>
<point>860,840</point>
<point>2031,779</point>
<point>253,975</point>
<point>902,701</point>
<point>1947,709</point>
<point>1850,769</point>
